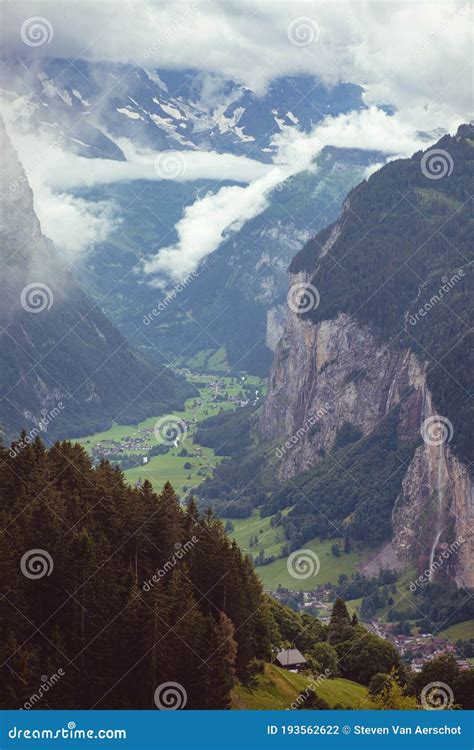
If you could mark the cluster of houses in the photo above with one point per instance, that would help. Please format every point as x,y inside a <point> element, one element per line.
<point>129,443</point>
<point>418,649</point>
<point>415,650</point>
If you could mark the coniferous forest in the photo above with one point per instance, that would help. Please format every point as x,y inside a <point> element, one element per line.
<point>96,612</point>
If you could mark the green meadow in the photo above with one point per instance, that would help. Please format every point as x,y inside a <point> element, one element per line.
<point>171,466</point>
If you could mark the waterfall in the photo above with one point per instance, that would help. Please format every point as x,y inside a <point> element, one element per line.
<point>440,479</point>
<point>437,477</point>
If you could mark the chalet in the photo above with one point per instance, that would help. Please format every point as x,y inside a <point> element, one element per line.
<point>291,659</point>
<point>417,664</point>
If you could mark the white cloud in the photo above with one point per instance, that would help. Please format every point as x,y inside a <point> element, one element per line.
<point>405,52</point>
<point>207,221</point>
<point>411,55</point>
<point>210,220</point>
<point>74,224</point>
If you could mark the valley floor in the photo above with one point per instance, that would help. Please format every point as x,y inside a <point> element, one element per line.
<point>183,470</point>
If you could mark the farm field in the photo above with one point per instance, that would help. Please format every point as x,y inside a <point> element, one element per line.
<point>276,573</point>
<point>186,464</point>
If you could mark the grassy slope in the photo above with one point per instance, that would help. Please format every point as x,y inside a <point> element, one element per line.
<point>276,573</point>
<point>277,689</point>
<point>402,597</point>
<point>461,631</point>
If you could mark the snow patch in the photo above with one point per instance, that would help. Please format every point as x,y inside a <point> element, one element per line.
<point>130,113</point>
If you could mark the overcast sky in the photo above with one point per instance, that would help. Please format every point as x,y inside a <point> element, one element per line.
<point>414,56</point>
<point>402,52</point>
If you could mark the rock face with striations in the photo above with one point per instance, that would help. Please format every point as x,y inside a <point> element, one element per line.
<point>334,365</point>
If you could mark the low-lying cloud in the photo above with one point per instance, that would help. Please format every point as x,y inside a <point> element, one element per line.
<point>408,57</point>
<point>210,220</point>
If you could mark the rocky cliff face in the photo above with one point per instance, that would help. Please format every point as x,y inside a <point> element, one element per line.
<point>335,371</point>
<point>63,363</point>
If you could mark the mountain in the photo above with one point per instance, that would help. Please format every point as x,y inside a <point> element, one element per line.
<point>65,368</point>
<point>230,312</point>
<point>231,315</point>
<point>91,104</point>
<point>366,424</point>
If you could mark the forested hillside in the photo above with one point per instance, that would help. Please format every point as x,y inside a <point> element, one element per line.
<point>118,587</point>
<point>119,590</point>
<point>402,236</point>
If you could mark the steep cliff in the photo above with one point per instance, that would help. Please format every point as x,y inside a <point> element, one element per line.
<point>65,370</point>
<point>378,325</point>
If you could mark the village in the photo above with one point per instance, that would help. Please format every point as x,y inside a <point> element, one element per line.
<point>140,443</point>
<point>414,650</point>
